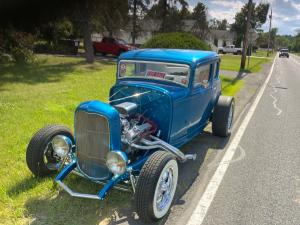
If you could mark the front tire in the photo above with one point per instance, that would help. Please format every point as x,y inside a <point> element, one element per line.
<point>39,155</point>
<point>156,186</point>
<point>223,116</point>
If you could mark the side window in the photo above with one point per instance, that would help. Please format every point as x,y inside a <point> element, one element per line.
<point>202,76</point>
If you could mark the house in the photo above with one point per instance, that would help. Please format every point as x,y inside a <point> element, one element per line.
<point>221,38</point>
<point>215,38</point>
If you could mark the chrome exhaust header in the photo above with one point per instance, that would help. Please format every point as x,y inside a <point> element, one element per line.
<point>158,143</point>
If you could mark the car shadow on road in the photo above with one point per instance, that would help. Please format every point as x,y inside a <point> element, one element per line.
<point>118,207</point>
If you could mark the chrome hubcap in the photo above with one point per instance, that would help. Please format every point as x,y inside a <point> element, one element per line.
<point>51,161</point>
<point>164,189</point>
<point>230,117</point>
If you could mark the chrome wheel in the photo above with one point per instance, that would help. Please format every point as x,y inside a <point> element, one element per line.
<point>165,189</point>
<point>230,117</point>
<point>51,161</point>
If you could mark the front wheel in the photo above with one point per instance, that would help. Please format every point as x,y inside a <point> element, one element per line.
<point>156,186</point>
<point>40,156</point>
<point>223,116</point>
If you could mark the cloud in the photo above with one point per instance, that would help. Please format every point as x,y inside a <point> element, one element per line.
<point>286,13</point>
<point>221,9</point>
<point>296,5</point>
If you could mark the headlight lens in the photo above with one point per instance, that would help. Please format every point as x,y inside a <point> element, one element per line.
<point>116,162</point>
<point>61,145</point>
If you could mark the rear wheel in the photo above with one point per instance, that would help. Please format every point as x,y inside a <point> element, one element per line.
<point>156,186</point>
<point>40,156</point>
<point>223,116</point>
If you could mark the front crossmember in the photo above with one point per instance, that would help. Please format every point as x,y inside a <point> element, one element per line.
<point>101,194</point>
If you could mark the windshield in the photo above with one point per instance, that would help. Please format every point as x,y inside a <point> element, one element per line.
<point>284,50</point>
<point>177,73</point>
<point>122,42</point>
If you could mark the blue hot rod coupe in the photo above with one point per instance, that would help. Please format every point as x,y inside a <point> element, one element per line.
<point>161,100</point>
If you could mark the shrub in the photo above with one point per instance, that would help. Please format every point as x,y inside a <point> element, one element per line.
<point>5,58</point>
<point>22,55</point>
<point>177,41</point>
<point>16,46</point>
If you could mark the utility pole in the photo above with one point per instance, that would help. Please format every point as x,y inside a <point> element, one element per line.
<point>270,27</point>
<point>250,45</point>
<point>245,41</point>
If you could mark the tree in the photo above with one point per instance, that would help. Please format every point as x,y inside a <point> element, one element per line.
<point>258,18</point>
<point>296,46</point>
<point>88,15</point>
<point>262,40</point>
<point>55,30</point>
<point>200,27</point>
<point>168,13</point>
<point>111,15</point>
<point>218,24</point>
<point>137,8</point>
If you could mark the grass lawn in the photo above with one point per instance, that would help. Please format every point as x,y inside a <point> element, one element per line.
<point>44,93</point>
<point>230,85</point>
<point>232,62</point>
<point>263,53</point>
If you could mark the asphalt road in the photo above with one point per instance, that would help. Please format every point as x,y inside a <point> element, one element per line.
<point>262,183</point>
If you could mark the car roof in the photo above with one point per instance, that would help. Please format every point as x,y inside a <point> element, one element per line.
<point>170,55</point>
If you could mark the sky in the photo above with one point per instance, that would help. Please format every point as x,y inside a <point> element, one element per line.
<point>286,13</point>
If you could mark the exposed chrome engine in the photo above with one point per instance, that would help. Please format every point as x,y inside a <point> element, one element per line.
<point>138,132</point>
<point>134,126</point>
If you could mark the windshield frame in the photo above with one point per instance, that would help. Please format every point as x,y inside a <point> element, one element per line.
<point>153,79</point>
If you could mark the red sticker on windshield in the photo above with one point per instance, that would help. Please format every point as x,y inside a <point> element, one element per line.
<point>152,73</point>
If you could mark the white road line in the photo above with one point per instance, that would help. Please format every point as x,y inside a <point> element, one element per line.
<point>203,205</point>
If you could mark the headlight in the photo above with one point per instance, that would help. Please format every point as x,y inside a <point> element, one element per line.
<point>61,145</point>
<point>116,162</point>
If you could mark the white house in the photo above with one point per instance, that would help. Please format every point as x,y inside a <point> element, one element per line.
<point>216,38</point>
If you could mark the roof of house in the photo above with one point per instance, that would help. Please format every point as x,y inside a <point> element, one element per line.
<point>170,55</point>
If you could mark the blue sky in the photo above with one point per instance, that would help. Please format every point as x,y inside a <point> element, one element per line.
<point>286,13</point>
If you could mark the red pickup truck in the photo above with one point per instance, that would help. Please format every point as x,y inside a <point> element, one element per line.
<point>111,46</point>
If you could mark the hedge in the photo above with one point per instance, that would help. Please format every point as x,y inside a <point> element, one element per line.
<point>176,41</point>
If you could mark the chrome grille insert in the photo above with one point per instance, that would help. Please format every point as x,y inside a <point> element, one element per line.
<point>92,144</point>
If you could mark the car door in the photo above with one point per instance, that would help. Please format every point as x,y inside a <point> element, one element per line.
<point>200,97</point>
<point>102,46</point>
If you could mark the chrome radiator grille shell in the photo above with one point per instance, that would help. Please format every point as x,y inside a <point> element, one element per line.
<point>92,136</point>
